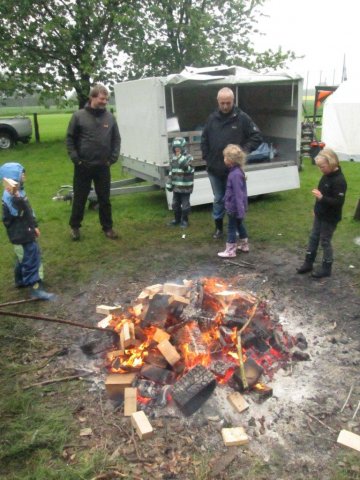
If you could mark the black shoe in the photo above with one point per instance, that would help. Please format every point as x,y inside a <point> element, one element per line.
<point>111,234</point>
<point>218,234</point>
<point>323,271</point>
<point>75,234</point>
<point>305,268</point>
<point>174,223</point>
<point>184,224</point>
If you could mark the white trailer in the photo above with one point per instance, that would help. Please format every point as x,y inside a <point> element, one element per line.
<point>151,111</point>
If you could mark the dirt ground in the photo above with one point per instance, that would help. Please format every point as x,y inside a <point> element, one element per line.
<point>291,435</point>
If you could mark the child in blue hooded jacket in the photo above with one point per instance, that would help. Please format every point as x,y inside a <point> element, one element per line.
<point>22,229</point>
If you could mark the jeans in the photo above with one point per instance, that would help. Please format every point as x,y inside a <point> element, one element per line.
<point>83,176</point>
<point>28,264</point>
<point>218,185</point>
<point>322,233</point>
<point>235,225</point>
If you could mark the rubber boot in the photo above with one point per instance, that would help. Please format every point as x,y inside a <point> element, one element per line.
<point>243,245</point>
<point>323,271</point>
<point>177,219</point>
<point>307,266</point>
<point>37,291</point>
<point>229,252</point>
<point>219,224</point>
<point>184,221</point>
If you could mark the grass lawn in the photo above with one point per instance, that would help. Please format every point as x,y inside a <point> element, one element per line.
<point>37,427</point>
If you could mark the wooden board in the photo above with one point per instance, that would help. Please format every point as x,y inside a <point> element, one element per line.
<point>234,436</point>
<point>238,401</point>
<point>349,439</point>
<point>141,424</point>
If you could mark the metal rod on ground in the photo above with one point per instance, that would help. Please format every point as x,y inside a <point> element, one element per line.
<point>56,320</point>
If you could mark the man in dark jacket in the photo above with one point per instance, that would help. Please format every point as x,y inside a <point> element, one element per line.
<point>93,143</point>
<point>227,125</point>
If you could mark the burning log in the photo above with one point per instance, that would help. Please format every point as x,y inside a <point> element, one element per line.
<point>160,335</point>
<point>190,341</point>
<point>193,389</point>
<point>157,312</point>
<point>169,352</point>
<point>252,373</point>
<point>157,374</point>
<point>175,289</point>
<point>127,335</point>
<point>154,357</point>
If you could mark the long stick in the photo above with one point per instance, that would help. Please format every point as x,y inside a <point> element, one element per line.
<point>56,380</point>
<point>56,320</point>
<point>347,398</point>
<point>17,302</point>
<point>239,346</point>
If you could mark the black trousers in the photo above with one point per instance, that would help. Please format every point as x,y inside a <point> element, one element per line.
<point>83,176</point>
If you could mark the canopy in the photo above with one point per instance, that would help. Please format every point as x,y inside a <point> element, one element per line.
<point>223,74</point>
<point>341,118</point>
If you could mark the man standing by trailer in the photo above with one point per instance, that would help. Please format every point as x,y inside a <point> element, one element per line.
<point>227,125</point>
<point>93,143</point>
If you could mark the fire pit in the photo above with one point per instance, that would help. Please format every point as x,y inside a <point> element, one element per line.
<point>177,342</point>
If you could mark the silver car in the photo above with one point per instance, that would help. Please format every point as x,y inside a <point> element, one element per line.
<point>13,130</point>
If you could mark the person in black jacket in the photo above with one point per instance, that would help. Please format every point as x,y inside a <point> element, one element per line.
<point>22,229</point>
<point>227,125</point>
<point>330,197</point>
<point>93,143</point>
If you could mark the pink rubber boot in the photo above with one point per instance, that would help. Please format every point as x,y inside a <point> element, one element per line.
<point>243,245</point>
<point>229,252</point>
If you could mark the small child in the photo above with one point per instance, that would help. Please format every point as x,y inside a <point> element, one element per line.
<point>236,201</point>
<point>330,197</point>
<point>180,182</point>
<point>22,230</point>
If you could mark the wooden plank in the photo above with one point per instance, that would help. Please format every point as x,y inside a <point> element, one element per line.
<point>141,424</point>
<point>130,404</point>
<point>106,309</point>
<point>116,383</point>
<point>160,335</point>
<point>349,439</point>
<point>105,322</point>
<point>169,352</point>
<point>234,436</point>
<point>238,401</point>
<point>127,335</point>
<point>175,289</point>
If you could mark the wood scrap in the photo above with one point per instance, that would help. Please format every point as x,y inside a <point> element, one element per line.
<point>349,439</point>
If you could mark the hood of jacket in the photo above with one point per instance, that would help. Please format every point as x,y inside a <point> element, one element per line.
<point>12,170</point>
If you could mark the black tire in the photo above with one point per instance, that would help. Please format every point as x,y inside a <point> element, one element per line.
<point>6,140</point>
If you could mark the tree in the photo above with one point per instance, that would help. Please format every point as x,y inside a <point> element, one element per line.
<point>200,33</point>
<point>54,46</point>
<point>59,45</point>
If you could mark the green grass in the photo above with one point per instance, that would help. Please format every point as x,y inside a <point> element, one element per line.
<point>36,425</point>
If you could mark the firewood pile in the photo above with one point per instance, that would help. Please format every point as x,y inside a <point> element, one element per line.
<point>178,342</point>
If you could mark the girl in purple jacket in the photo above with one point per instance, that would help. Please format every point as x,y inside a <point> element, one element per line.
<point>236,201</point>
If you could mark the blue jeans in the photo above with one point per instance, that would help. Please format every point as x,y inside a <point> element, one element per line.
<point>28,264</point>
<point>235,225</point>
<point>218,185</point>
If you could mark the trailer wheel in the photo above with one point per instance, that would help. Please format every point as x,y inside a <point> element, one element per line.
<point>6,140</point>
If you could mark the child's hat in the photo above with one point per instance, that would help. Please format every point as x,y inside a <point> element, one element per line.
<point>12,170</point>
<point>179,142</point>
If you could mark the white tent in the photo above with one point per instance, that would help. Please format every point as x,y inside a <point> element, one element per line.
<point>341,119</point>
